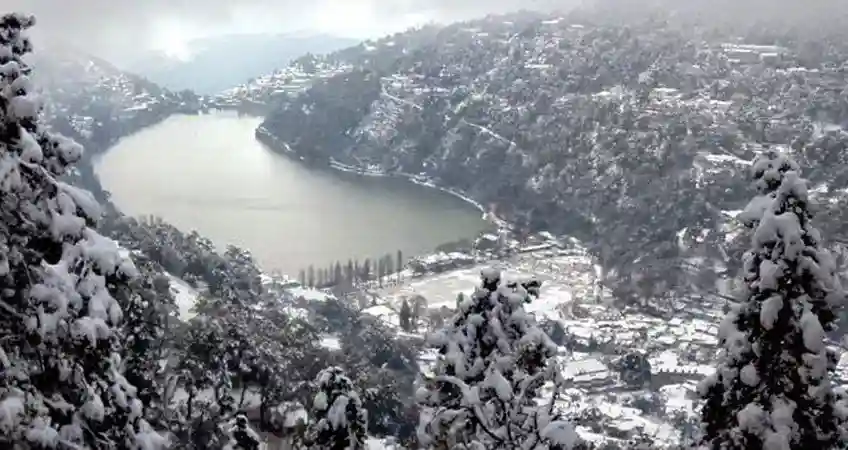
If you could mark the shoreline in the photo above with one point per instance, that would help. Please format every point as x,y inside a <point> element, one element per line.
<point>278,146</point>
<point>282,147</point>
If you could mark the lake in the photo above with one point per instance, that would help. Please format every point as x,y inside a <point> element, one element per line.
<point>208,173</point>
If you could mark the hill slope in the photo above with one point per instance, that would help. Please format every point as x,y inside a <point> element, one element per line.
<point>95,103</point>
<point>569,124</point>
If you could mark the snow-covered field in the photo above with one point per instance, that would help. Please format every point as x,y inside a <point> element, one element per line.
<point>562,277</point>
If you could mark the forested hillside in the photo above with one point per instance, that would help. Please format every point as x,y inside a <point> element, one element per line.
<point>93,102</point>
<point>569,124</point>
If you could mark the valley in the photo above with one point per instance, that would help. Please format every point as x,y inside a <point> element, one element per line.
<point>553,217</point>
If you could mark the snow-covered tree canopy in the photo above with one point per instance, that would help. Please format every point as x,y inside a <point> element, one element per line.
<point>338,419</point>
<point>494,362</point>
<point>61,382</point>
<point>242,437</point>
<point>772,387</point>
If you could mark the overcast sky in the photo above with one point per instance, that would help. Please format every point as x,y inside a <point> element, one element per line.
<point>117,29</point>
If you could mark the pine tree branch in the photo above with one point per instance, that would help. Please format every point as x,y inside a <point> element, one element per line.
<point>474,408</point>
<point>722,296</point>
<point>508,414</point>
<point>11,310</point>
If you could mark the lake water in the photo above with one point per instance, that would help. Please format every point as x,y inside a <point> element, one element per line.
<point>208,173</point>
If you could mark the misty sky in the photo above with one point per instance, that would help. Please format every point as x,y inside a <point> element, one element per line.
<point>119,29</point>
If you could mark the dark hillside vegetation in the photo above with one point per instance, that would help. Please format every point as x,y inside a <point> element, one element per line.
<point>568,124</point>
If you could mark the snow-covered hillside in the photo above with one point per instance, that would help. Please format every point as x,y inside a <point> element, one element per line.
<point>266,90</point>
<point>569,126</point>
<point>87,91</point>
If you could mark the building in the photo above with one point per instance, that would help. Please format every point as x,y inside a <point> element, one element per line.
<point>589,373</point>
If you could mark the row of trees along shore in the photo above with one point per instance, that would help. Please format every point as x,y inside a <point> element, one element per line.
<point>354,272</point>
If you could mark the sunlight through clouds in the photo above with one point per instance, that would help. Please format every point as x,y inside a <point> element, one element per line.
<point>119,29</point>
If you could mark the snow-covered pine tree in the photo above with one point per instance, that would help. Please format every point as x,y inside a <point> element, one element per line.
<point>61,382</point>
<point>242,437</point>
<point>405,316</point>
<point>148,305</point>
<point>204,371</point>
<point>493,363</point>
<point>772,388</point>
<point>338,421</point>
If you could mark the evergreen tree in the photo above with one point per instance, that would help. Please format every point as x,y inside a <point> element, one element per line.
<point>338,421</point>
<point>242,437</point>
<point>390,264</point>
<point>337,274</point>
<point>493,362</point>
<point>149,309</point>
<point>772,387</point>
<point>399,262</point>
<point>357,272</point>
<point>366,270</point>
<point>419,308</point>
<point>61,380</point>
<point>204,367</point>
<point>405,315</point>
<point>635,369</point>
<point>310,277</point>
<point>387,266</point>
<point>350,275</point>
<point>459,299</point>
<point>302,277</point>
<point>229,349</point>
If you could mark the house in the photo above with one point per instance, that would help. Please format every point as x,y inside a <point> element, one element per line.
<point>664,376</point>
<point>589,373</point>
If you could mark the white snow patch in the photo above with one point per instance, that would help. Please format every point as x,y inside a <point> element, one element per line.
<point>812,331</point>
<point>770,310</point>
<point>185,297</point>
<point>309,294</point>
<point>11,410</point>
<point>331,342</point>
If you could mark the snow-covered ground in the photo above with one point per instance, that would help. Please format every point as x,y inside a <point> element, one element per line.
<point>680,350</point>
<point>308,294</point>
<point>290,80</point>
<point>569,296</point>
<point>331,342</point>
<point>563,278</point>
<point>185,297</point>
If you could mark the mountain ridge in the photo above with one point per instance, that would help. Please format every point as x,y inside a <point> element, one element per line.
<point>243,55</point>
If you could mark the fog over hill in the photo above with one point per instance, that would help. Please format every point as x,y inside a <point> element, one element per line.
<point>123,31</point>
<point>243,57</point>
